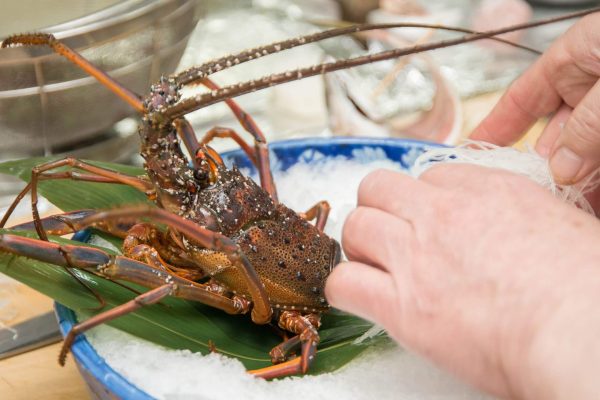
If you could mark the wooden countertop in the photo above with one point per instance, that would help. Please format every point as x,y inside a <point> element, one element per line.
<point>37,375</point>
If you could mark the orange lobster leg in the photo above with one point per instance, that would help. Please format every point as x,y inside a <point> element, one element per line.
<point>103,264</point>
<point>320,211</point>
<point>307,337</point>
<point>222,132</point>
<point>70,222</point>
<point>261,151</point>
<point>42,172</point>
<point>261,311</point>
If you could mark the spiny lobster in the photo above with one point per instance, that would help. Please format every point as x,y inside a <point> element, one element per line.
<point>229,243</point>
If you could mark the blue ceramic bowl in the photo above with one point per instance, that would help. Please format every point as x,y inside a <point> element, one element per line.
<point>102,380</point>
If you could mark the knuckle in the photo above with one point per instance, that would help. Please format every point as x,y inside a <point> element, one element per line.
<point>524,103</point>
<point>352,223</point>
<point>351,230</point>
<point>510,187</point>
<point>582,42</point>
<point>371,180</point>
<point>583,128</point>
<point>436,171</point>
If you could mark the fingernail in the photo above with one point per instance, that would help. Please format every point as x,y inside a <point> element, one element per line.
<point>565,164</point>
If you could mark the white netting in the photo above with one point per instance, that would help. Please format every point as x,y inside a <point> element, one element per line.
<point>527,163</point>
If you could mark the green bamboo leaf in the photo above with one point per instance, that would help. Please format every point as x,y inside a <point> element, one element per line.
<point>173,323</point>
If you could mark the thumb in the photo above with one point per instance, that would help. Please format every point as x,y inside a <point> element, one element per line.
<point>576,152</point>
<point>361,290</point>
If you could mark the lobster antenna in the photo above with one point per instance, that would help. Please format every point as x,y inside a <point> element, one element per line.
<point>46,39</point>
<point>215,96</point>
<point>197,73</point>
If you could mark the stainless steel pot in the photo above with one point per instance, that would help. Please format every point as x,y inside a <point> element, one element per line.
<point>48,105</point>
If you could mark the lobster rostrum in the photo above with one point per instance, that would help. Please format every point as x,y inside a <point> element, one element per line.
<point>228,242</point>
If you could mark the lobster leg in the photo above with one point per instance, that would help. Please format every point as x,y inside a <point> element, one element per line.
<point>70,222</point>
<point>66,223</point>
<point>146,237</point>
<point>281,352</point>
<point>41,172</point>
<point>151,297</point>
<point>118,267</point>
<point>304,326</point>
<point>221,132</point>
<point>320,211</point>
<point>114,267</point>
<point>259,155</point>
<point>152,257</point>
<point>145,243</point>
<point>261,311</point>
<point>200,152</point>
<point>45,39</point>
<point>261,150</point>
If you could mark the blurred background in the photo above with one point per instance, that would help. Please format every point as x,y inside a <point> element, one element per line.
<point>48,106</point>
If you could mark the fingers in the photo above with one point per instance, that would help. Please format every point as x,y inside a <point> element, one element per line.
<point>567,73</point>
<point>529,98</point>
<point>552,131</point>
<point>393,192</point>
<point>576,151</point>
<point>374,237</point>
<point>362,290</point>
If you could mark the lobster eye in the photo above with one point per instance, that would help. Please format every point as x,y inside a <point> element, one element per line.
<point>201,177</point>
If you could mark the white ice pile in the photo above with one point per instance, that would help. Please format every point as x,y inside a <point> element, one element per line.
<point>333,179</point>
<point>384,372</point>
<point>381,373</point>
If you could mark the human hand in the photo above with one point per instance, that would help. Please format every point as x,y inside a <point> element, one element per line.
<point>564,81</point>
<point>482,271</point>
